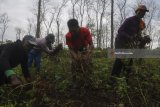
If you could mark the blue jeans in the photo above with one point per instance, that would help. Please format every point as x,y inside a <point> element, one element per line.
<point>36,56</point>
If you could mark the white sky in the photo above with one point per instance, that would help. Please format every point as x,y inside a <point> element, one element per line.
<point>18,12</point>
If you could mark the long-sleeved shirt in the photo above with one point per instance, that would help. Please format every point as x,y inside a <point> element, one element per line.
<point>11,55</point>
<point>130,27</point>
<point>42,45</point>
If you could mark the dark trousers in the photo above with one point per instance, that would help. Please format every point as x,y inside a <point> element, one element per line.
<point>117,67</point>
<point>33,55</point>
<point>119,64</point>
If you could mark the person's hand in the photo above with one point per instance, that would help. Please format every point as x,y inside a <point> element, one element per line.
<point>78,57</point>
<point>84,57</point>
<point>87,54</point>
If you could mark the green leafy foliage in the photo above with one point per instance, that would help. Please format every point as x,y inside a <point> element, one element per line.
<point>52,86</point>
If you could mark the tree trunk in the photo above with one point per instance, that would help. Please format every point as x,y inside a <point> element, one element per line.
<point>3,36</point>
<point>38,20</point>
<point>58,26</point>
<point>112,27</point>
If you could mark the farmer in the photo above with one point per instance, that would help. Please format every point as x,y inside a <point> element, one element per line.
<point>43,45</point>
<point>128,32</point>
<point>13,54</point>
<point>79,41</point>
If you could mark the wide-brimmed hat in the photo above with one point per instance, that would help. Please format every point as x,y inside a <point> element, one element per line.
<point>142,7</point>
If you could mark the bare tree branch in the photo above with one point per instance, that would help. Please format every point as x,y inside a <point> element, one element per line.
<point>4,20</point>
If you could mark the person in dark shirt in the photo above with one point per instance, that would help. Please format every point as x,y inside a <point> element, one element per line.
<point>13,54</point>
<point>128,31</point>
<point>131,28</point>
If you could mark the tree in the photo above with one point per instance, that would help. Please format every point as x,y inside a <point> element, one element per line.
<point>48,15</point>
<point>19,33</point>
<point>101,30</point>
<point>3,24</point>
<point>57,19</point>
<point>52,13</point>
<point>31,27</point>
<point>99,8</point>
<point>112,26</point>
<point>121,5</point>
<point>81,10</point>
<point>74,2</point>
<point>9,41</point>
<point>149,19</point>
<point>91,26</point>
<point>38,19</point>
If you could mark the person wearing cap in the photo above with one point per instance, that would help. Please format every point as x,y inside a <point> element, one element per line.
<point>79,41</point>
<point>12,55</point>
<point>129,31</point>
<point>43,45</point>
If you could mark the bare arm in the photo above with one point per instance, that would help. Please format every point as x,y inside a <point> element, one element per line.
<point>90,49</point>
